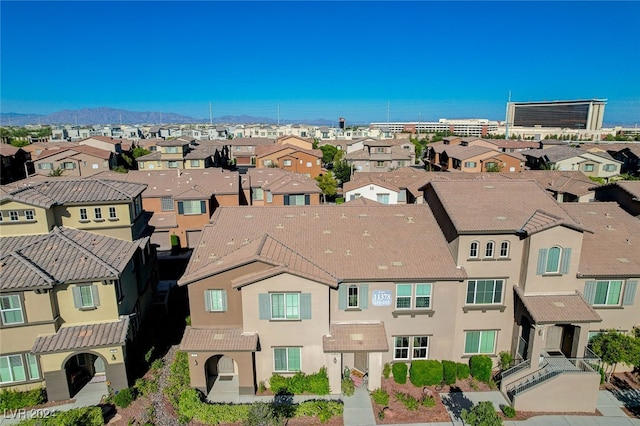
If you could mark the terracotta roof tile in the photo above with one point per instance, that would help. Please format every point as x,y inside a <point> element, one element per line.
<point>558,308</point>
<point>356,337</point>
<point>218,339</point>
<point>84,336</point>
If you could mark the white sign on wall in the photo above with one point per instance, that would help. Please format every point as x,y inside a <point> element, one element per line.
<point>381,298</point>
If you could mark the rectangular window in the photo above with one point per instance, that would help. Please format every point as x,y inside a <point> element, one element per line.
<point>402,196</point>
<point>608,293</point>
<point>267,163</point>
<point>588,167</point>
<point>166,204</point>
<point>112,213</point>
<point>68,166</point>
<point>285,306</point>
<point>171,150</point>
<point>287,359</point>
<point>382,198</point>
<point>256,194</point>
<point>215,300</point>
<point>32,363</point>
<point>379,163</point>
<point>484,292</point>
<point>423,296</point>
<point>480,342</point>
<point>269,197</point>
<point>1,217</point>
<point>195,163</point>
<point>11,309</point>
<point>191,207</point>
<point>352,296</point>
<point>401,347</point>
<point>380,150</point>
<point>173,164</point>
<point>45,166</point>
<point>83,215</point>
<point>403,296</point>
<point>286,163</point>
<point>504,249</point>
<point>13,216</point>
<point>29,214</point>
<point>410,296</point>
<point>86,297</point>
<point>609,167</point>
<point>97,212</point>
<point>420,347</point>
<point>296,200</point>
<point>12,369</point>
<point>411,347</point>
<point>470,164</point>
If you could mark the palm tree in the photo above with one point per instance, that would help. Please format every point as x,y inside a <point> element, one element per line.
<point>56,172</point>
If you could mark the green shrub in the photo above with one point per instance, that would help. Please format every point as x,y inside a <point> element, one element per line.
<point>145,387</point>
<point>399,371</point>
<point>480,367</point>
<point>380,397</point>
<point>386,371</point>
<point>449,372</point>
<point>425,372</point>
<point>13,400</point>
<point>278,383</point>
<point>124,398</point>
<point>297,384</point>
<point>85,416</point>
<point>187,320</point>
<point>407,400</point>
<point>179,380</point>
<point>325,410</point>
<point>318,383</point>
<point>347,386</point>
<point>262,387</point>
<point>508,411</point>
<point>483,414</point>
<point>157,365</point>
<point>149,355</point>
<point>261,414</point>
<point>428,402</point>
<point>462,371</point>
<point>505,360</point>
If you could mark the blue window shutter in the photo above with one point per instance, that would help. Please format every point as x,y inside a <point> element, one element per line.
<point>364,296</point>
<point>590,292</point>
<point>264,304</point>
<point>224,300</point>
<point>203,207</point>
<point>542,261</point>
<point>180,207</point>
<point>96,295</point>
<point>565,261</point>
<point>307,199</point>
<point>630,292</point>
<point>342,297</point>
<point>207,300</point>
<point>286,200</point>
<point>305,306</point>
<point>77,298</point>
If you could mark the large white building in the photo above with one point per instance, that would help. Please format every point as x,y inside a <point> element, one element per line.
<point>465,127</point>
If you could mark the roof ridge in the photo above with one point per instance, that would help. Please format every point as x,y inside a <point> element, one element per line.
<point>34,267</point>
<point>110,185</point>
<point>59,231</point>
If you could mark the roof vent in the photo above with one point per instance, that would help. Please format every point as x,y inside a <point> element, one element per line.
<point>326,231</point>
<point>382,267</point>
<point>501,218</point>
<point>248,216</point>
<point>623,260</point>
<point>366,234</point>
<point>559,305</point>
<point>245,241</point>
<point>328,251</point>
<point>347,253</point>
<point>410,219</point>
<point>289,216</point>
<point>343,216</point>
<point>396,263</point>
<point>490,187</point>
<point>230,243</point>
<point>279,226</point>
<point>399,215</point>
<point>363,215</point>
<point>316,216</point>
<point>610,228</point>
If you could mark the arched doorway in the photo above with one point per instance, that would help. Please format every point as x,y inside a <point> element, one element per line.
<point>222,378</point>
<point>83,368</point>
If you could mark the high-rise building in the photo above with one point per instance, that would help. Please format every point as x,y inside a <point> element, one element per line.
<point>577,114</point>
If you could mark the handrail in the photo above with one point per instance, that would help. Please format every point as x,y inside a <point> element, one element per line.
<point>515,369</point>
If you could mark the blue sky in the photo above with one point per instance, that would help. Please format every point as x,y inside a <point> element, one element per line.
<point>365,61</point>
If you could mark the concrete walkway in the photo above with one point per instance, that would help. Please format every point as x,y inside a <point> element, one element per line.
<point>357,409</point>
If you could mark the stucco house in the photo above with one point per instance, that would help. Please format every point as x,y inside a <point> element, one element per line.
<point>277,187</point>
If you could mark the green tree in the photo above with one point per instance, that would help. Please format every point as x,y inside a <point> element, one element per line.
<point>328,185</point>
<point>19,143</point>
<point>42,133</point>
<point>342,171</point>
<point>493,167</point>
<point>483,414</point>
<point>328,152</point>
<point>139,151</point>
<point>613,347</point>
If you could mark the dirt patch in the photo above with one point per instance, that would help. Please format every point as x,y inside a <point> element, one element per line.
<point>622,381</point>
<point>524,415</point>
<point>396,412</point>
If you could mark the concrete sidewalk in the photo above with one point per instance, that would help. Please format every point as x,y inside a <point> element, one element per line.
<point>358,410</point>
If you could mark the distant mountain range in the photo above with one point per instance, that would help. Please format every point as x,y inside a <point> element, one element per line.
<point>91,116</point>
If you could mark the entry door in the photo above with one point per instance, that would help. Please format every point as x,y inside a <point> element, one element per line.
<point>360,361</point>
<point>225,365</point>
<point>98,365</point>
<point>554,338</point>
<point>567,340</point>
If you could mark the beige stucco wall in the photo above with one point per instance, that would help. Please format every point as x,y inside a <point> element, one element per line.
<point>622,318</point>
<point>56,361</point>
<point>43,222</point>
<point>21,339</point>
<point>108,309</point>
<point>304,333</point>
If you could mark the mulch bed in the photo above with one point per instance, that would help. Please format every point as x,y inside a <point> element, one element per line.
<point>396,412</point>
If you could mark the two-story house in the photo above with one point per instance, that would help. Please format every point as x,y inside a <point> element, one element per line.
<point>14,163</point>
<point>79,161</point>
<point>242,151</point>
<point>591,163</point>
<point>70,301</point>
<point>290,158</point>
<point>277,187</point>
<point>378,155</point>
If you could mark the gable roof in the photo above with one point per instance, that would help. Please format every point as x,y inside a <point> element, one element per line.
<point>279,181</point>
<point>113,333</point>
<point>630,187</point>
<point>265,150</point>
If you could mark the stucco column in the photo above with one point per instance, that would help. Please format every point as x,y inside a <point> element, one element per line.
<point>375,370</point>
<point>537,339</point>
<point>580,340</point>
<point>333,361</point>
<point>117,375</point>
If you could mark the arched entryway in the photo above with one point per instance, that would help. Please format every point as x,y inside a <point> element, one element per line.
<point>221,372</point>
<point>83,368</point>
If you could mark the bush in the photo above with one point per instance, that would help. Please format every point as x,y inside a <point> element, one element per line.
<point>399,371</point>
<point>262,387</point>
<point>386,371</point>
<point>508,411</point>
<point>157,365</point>
<point>261,414</point>
<point>296,384</point>
<point>347,386</point>
<point>426,372</point>
<point>462,371</point>
<point>428,402</point>
<point>483,414</point>
<point>480,367</point>
<point>380,397</point>
<point>179,380</point>
<point>450,372</point>
<point>13,400</point>
<point>316,384</point>
<point>505,360</point>
<point>191,407</point>
<point>85,416</point>
<point>278,383</point>
<point>145,387</point>
<point>325,410</point>
<point>407,400</point>
<point>124,398</point>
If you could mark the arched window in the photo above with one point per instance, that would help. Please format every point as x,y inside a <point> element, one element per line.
<point>504,249</point>
<point>489,249</point>
<point>553,260</point>
<point>473,249</point>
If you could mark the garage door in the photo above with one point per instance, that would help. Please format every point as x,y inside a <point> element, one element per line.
<point>192,238</point>
<point>161,239</point>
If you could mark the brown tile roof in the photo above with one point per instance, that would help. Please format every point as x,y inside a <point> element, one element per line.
<point>110,140</point>
<point>265,150</point>
<point>163,220</point>
<point>513,144</point>
<point>84,336</point>
<point>7,150</point>
<point>280,181</point>
<point>631,187</point>
<point>173,142</point>
<point>356,337</point>
<point>250,142</point>
<point>460,152</point>
<point>613,247</point>
<point>218,339</point>
<point>558,308</point>
<point>103,154</point>
<point>497,206</point>
<point>63,255</point>
<point>362,201</point>
<point>570,182</point>
<point>346,241</point>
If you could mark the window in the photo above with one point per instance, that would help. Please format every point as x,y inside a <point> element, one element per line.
<point>379,163</point>
<point>192,207</point>
<point>13,215</point>
<point>287,359</point>
<point>171,150</point>
<point>195,163</point>
<point>68,166</point>
<point>488,252</point>
<point>269,197</point>
<point>504,249</point>
<point>484,291</point>
<point>286,163</point>
<point>402,196</point>
<point>166,204</point>
<point>309,164</point>
<point>1,217</point>
<point>553,260</point>
<point>256,194</point>
<point>609,167</point>
<point>12,369</point>
<point>45,166</point>
<point>297,200</point>
<point>215,300</point>
<point>112,213</point>
<point>29,214</point>
<point>588,167</point>
<point>352,296</point>
<point>473,249</point>
<point>97,212</point>
<point>380,150</point>
<point>470,164</point>
<point>141,164</point>
<point>480,342</point>
<point>86,297</point>
<point>608,293</point>
<point>267,163</point>
<point>416,346</point>
<point>11,309</point>
<point>285,306</point>
<point>382,198</point>
<point>83,214</point>
<point>406,299</point>
<point>173,164</point>
<point>34,371</point>
<point>492,165</point>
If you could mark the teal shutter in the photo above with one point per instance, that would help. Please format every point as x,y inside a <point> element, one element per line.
<point>207,300</point>
<point>364,296</point>
<point>542,261</point>
<point>96,295</point>
<point>630,292</point>
<point>203,207</point>
<point>286,200</point>
<point>77,298</point>
<point>305,306</point>
<point>264,305</point>
<point>565,261</point>
<point>590,292</point>
<point>180,207</point>
<point>224,300</point>
<point>342,297</point>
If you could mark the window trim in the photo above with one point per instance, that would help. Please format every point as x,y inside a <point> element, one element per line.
<point>284,306</point>
<point>286,350</point>
<point>220,299</point>
<point>357,296</point>
<point>14,216</point>
<point>97,214</point>
<point>10,368</point>
<point>607,294</point>
<point>489,249</point>
<point>113,213</point>
<point>84,215</point>
<point>504,248</point>
<point>31,213</point>
<point>2,311</point>
<point>413,297</point>
<point>410,348</point>
<point>83,294</point>
<point>473,249</point>
<point>559,260</point>
<point>493,292</point>
<point>480,341</point>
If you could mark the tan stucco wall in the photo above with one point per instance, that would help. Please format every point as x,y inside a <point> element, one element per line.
<point>243,368</point>
<point>56,361</point>
<point>576,392</point>
<point>304,333</point>
<point>622,318</point>
<point>21,339</point>
<point>108,309</point>
<point>44,220</point>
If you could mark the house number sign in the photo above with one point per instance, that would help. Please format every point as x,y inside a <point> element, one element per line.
<point>381,298</point>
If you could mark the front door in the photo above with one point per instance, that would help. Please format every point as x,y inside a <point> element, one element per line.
<point>554,339</point>
<point>567,340</point>
<point>360,361</point>
<point>225,366</point>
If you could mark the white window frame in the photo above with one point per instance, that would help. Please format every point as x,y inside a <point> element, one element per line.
<point>257,194</point>
<point>167,204</point>
<point>489,249</point>
<point>589,167</point>
<point>414,296</point>
<point>473,249</point>
<point>29,214</point>
<point>8,359</point>
<point>14,216</point>
<point>469,164</point>
<point>382,198</point>
<point>286,163</point>
<point>493,292</point>
<point>557,269</point>
<point>608,293</point>
<point>287,316</point>
<point>195,163</point>
<point>504,249</point>
<point>356,295</point>
<point>399,348</point>
<point>216,300</point>
<point>483,333</point>
<point>86,297</point>
<point>97,213</point>
<point>11,300</point>
<point>113,213</point>
<point>172,164</point>
<point>84,215</point>
<point>288,368</point>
